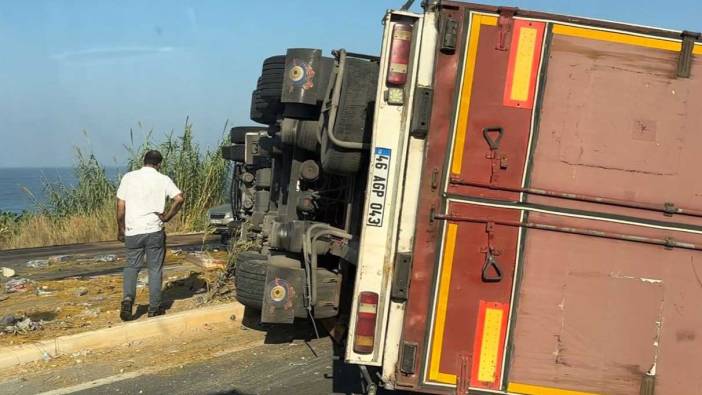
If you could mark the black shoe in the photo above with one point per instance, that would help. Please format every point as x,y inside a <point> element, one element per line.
<point>155,313</point>
<point>126,312</point>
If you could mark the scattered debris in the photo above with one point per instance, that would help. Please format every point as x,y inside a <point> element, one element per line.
<point>106,258</point>
<point>38,263</point>
<point>223,287</point>
<point>59,258</point>
<point>18,325</point>
<point>18,285</point>
<point>44,291</point>
<point>7,272</point>
<point>63,308</point>
<point>91,313</point>
<point>142,279</point>
<point>205,260</point>
<point>8,320</point>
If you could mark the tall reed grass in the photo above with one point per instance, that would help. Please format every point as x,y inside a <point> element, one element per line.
<point>85,212</point>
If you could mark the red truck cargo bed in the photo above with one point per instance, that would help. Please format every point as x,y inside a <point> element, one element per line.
<point>560,251</point>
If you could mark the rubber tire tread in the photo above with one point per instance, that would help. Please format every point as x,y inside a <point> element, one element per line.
<point>250,281</point>
<point>262,110</point>
<point>270,93</point>
<point>271,76</point>
<point>274,61</point>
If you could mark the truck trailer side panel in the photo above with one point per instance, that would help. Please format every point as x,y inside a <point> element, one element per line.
<point>558,230</point>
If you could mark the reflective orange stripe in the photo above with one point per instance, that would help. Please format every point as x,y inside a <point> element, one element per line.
<point>527,389</point>
<point>488,346</point>
<point>523,66</point>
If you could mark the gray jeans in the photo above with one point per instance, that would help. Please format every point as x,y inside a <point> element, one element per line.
<point>153,245</point>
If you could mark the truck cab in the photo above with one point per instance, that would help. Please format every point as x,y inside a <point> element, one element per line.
<point>502,201</point>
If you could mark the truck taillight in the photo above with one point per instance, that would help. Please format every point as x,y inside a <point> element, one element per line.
<point>399,54</point>
<point>365,323</point>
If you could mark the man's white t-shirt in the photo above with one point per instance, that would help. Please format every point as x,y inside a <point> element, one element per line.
<point>144,192</point>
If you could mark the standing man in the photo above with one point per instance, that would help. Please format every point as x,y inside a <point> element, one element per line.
<point>141,199</point>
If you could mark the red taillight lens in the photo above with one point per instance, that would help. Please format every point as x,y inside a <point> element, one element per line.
<point>365,323</point>
<point>399,54</point>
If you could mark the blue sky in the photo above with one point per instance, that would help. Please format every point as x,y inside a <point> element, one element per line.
<point>82,73</point>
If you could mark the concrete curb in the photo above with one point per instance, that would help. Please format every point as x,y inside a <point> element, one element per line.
<point>167,326</point>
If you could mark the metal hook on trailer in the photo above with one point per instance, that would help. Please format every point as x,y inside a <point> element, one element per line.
<point>491,262</point>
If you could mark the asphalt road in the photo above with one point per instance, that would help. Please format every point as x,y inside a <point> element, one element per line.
<point>266,369</point>
<point>289,360</point>
<point>285,359</point>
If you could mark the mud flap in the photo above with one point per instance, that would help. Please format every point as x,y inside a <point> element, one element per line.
<point>281,294</point>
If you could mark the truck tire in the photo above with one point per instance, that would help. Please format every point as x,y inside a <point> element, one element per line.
<point>235,152</point>
<point>271,78</point>
<point>274,62</point>
<point>262,110</point>
<point>250,279</point>
<point>237,134</point>
<point>269,94</point>
<point>250,283</point>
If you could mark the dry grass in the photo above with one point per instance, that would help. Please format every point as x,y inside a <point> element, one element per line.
<point>86,212</point>
<point>43,230</point>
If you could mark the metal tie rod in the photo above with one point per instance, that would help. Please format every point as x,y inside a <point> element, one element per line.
<point>668,242</point>
<point>666,208</point>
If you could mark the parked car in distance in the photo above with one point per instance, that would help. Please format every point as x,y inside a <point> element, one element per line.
<point>220,217</point>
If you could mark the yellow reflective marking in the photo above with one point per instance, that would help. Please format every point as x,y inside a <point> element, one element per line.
<point>464,104</point>
<point>489,345</point>
<point>524,62</point>
<point>621,38</point>
<point>526,389</point>
<point>461,126</point>
<point>441,305</point>
<point>488,20</point>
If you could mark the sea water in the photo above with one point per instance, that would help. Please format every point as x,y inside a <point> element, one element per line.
<point>22,188</point>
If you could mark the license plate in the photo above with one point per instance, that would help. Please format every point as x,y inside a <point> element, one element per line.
<point>378,186</point>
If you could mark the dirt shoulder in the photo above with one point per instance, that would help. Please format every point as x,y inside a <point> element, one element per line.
<point>83,303</point>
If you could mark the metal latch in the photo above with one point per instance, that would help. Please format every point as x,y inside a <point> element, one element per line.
<point>408,358</point>
<point>463,366</point>
<point>685,60</point>
<point>421,111</point>
<point>401,277</point>
<point>491,272</point>
<point>449,36</point>
<point>493,137</point>
<point>505,22</point>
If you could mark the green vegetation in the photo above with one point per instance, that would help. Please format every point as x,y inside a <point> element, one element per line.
<point>86,212</point>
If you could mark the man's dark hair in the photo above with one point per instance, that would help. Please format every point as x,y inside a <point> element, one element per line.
<point>153,158</point>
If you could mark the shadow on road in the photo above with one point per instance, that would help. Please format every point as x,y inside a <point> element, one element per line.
<point>282,333</point>
<point>184,288</point>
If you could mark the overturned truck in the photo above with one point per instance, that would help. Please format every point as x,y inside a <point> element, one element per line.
<point>503,201</point>
<point>299,181</point>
